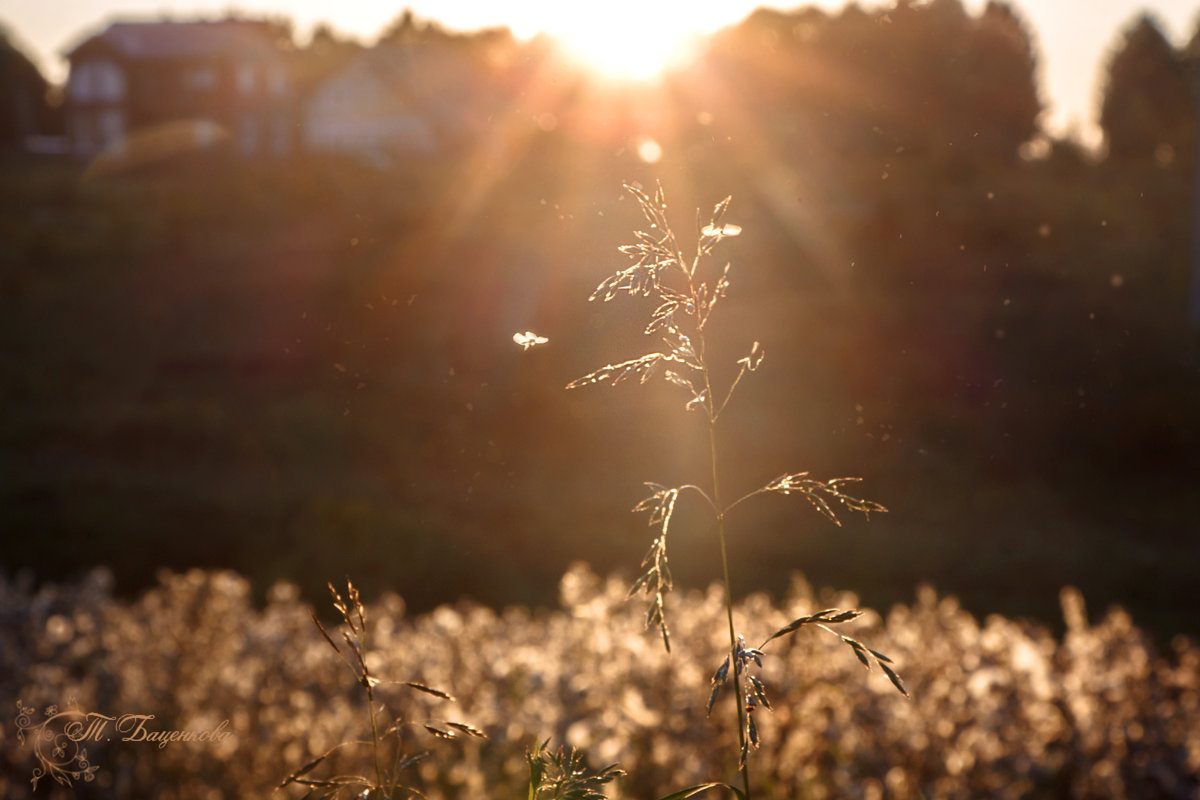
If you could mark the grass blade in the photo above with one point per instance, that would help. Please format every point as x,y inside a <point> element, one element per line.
<point>692,791</point>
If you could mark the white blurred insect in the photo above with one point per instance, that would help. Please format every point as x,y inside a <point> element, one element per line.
<point>528,339</point>
<point>721,231</point>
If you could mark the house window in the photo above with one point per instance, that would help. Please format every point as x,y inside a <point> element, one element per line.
<point>281,139</point>
<point>248,134</point>
<point>81,132</point>
<point>278,80</point>
<point>201,78</point>
<point>96,80</point>
<point>247,78</point>
<point>79,86</point>
<point>111,124</point>
<point>110,81</point>
<point>205,133</point>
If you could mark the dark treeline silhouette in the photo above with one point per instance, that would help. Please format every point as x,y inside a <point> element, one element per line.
<point>26,107</point>
<point>304,368</point>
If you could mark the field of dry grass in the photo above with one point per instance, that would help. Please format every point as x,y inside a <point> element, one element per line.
<point>998,708</point>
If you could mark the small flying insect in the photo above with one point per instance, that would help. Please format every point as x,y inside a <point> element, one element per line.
<point>528,339</point>
<point>721,231</point>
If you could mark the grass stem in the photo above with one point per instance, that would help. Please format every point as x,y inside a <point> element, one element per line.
<point>744,766</point>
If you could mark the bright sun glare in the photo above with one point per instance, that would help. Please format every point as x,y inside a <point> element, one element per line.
<point>635,46</point>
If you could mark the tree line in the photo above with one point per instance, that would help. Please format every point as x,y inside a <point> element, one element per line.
<point>990,324</point>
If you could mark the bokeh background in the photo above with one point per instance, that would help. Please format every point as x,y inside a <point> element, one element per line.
<point>302,368</point>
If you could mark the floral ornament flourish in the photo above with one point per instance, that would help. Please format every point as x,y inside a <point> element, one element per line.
<point>56,743</point>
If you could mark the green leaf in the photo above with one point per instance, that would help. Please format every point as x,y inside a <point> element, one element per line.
<point>307,768</point>
<point>692,791</point>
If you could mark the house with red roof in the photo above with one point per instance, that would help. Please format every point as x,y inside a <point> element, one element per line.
<point>205,82</point>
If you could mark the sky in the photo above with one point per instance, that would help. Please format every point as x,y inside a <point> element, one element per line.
<point>1073,37</point>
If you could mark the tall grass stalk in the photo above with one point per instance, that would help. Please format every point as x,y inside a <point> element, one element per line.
<point>687,290</point>
<point>386,783</point>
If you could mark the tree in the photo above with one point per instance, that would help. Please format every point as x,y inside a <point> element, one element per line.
<point>1148,111</point>
<point>24,109</point>
<point>1000,70</point>
<point>970,81</point>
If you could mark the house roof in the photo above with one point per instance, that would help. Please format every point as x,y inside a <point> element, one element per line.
<point>171,39</point>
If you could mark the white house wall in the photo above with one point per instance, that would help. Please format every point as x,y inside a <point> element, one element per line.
<point>99,80</point>
<point>353,113</point>
<point>95,119</point>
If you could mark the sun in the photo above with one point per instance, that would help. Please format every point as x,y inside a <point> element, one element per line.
<point>637,46</point>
